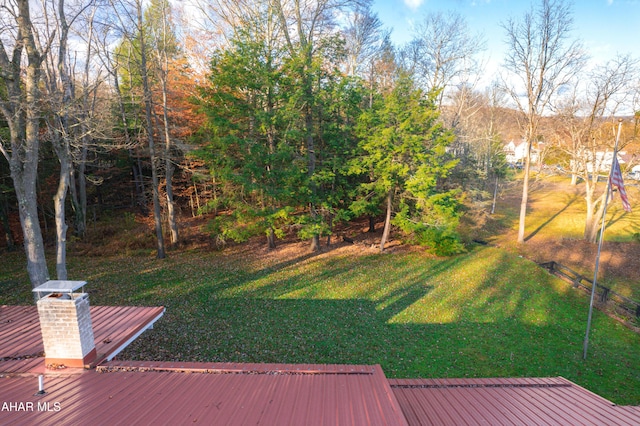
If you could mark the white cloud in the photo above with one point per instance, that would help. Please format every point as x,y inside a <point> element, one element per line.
<point>413,4</point>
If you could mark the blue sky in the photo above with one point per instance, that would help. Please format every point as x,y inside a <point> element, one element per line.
<point>606,27</point>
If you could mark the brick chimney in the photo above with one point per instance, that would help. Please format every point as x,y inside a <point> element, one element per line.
<point>65,323</point>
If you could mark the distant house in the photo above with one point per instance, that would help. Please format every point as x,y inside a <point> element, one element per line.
<point>516,152</point>
<point>600,162</point>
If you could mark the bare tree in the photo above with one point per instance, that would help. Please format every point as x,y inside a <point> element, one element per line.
<point>217,21</point>
<point>383,69</point>
<point>115,63</point>
<point>588,124</point>
<point>364,38</point>
<point>135,33</point>
<point>442,52</point>
<point>144,73</point>
<point>91,124</point>
<point>540,59</point>
<point>164,47</point>
<point>19,105</point>
<point>62,116</point>
<point>59,124</point>
<point>476,119</point>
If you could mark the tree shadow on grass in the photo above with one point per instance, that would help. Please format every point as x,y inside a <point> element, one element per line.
<point>616,216</point>
<point>548,221</point>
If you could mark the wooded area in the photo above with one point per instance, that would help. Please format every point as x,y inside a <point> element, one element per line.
<point>281,116</point>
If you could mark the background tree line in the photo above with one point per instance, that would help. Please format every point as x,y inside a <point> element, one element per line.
<point>281,115</point>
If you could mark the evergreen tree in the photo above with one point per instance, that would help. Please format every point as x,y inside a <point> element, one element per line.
<point>261,113</point>
<point>252,145</point>
<point>340,101</point>
<point>404,154</point>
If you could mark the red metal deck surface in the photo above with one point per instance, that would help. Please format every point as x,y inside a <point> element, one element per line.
<point>128,392</point>
<point>546,401</point>
<point>21,346</point>
<point>20,335</point>
<point>285,395</point>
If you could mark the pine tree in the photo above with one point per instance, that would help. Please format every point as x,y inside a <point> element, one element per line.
<point>404,155</point>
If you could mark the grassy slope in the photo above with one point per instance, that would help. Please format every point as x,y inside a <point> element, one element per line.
<point>555,226</point>
<point>487,313</point>
<point>557,209</point>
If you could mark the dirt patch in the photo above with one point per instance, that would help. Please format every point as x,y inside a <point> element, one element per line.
<point>619,262</point>
<point>616,259</point>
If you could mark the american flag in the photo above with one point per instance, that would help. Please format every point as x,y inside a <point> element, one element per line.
<point>616,180</point>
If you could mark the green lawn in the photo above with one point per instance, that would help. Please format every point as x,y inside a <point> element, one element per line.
<point>554,230</point>
<point>556,208</point>
<point>486,313</point>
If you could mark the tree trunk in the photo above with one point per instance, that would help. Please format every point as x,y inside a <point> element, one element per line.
<point>24,175</point>
<point>62,132</point>
<point>164,73</point>
<point>59,134</point>
<point>594,215</point>
<point>138,182</point>
<point>78,190</point>
<point>24,125</point>
<point>81,219</point>
<point>61,225</point>
<point>171,211</point>
<point>525,193</point>
<point>147,104</point>
<point>271,239</point>
<point>315,240</point>
<point>372,224</point>
<point>136,166</point>
<point>77,179</point>
<point>31,232</point>
<point>495,197</point>
<point>387,221</point>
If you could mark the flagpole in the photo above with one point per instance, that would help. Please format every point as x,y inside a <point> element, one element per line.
<point>604,215</point>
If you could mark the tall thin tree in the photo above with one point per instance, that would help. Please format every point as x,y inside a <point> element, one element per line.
<point>165,47</point>
<point>136,41</point>
<point>540,59</point>
<point>21,110</point>
<point>147,95</point>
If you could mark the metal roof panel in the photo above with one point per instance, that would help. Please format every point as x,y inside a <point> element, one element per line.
<point>512,401</point>
<point>282,397</point>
